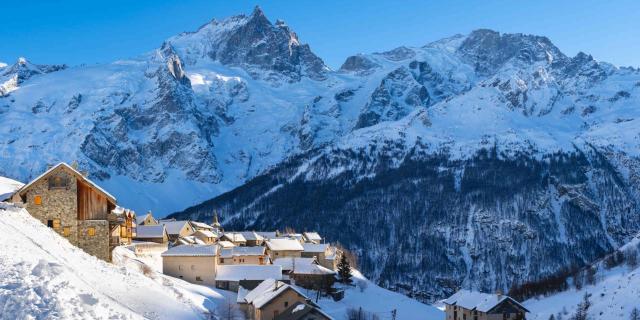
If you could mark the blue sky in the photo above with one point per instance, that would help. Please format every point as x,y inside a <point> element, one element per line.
<point>76,32</point>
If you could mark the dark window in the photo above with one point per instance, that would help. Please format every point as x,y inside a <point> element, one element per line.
<point>198,278</point>
<point>286,304</point>
<point>50,223</point>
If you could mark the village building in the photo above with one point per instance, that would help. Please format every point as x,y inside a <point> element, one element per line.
<point>280,248</point>
<point>312,237</point>
<point>307,273</point>
<point>226,244</point>
<point>207,236</point>
<point>325,254</point>
<point>123,226</point>
<point>152,233</point>
<point>147,220</point>
<point>267,235</point>
<point>253,239</point>
<point>243,255</point>
<point>302,311</point>
<point>75,207</point>
<point>201,226</point>
<point>472,305</point>
<point>193,263</point>
<point>188,240</point>
<point>235,237</point>
<point>271,298</point>
<point>177,229</point>
<point>228,277</point>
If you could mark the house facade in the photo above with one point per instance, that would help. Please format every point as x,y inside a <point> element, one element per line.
<point>192,263</point>
<point>281,248</point>
<point>72,205</point>
<point>271,298</point>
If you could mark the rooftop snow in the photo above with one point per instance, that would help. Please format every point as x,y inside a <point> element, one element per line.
<point>284,245</point>
<point>312,247</point>
<point>201,225</point>
<point>192,250</point>
<point>241,251</point>
<point>266,291</point>
<point>145,232</point>
<point>8,187</point>
<point>302,266</point>
<point>312,236</point>
<point>473,300</point>
<point>174,227</point>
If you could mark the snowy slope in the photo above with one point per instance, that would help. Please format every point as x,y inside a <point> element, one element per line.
<point>46,277</point>
<point>613,296</point>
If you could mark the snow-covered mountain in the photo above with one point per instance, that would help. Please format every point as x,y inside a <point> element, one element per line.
<point>478,160</point>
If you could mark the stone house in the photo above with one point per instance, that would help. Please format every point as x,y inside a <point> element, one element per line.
<point>192,263</point>
<point>271,298</point>
<point>74,206</point>
<point>252,238</point>
<point>280,248</point>
<point>234,237</point>
<point>312,237</point>
<point>325,254</point>
<point>472,305</point>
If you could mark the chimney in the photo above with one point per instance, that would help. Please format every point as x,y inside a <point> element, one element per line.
<point>499,293</point>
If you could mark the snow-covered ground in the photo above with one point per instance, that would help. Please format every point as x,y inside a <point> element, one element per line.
<point>8,187</point>
<point>45,277</point>
<point>615,293</point>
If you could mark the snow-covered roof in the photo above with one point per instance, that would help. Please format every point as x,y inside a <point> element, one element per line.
<point>201,225</point>
<point>235,236</point>
<point>192,250</point>
<point>226,244</point>
<point>237,272</point>
<point>312,247</point>
<point>251,236</point>
<point>474,300</point>
<point>145,232</point>
<point>76,173</point>
<point>284,245</point>
<point>267,234</point>
<point>190,240</point>
<point>206,233</point>
<point>302,266</point>
<point>312,236</point>
<point>267,291</point>
<point>174,227</point>
<point>242,293</point>
<point>8,187</point>
<point>300,310</point>
<point>241,251</point>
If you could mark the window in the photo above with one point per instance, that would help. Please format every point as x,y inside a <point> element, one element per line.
<point>198,278</point>
<point>66,231</point>
<point>286,304</point>
<point>221,260</point>
<point>58,182</point>
<point>505,316</point>
<point>56,223</point>
<point>91,231</point>
<point>123,232</point>
<point>37,200</point>
<point>50,223</point>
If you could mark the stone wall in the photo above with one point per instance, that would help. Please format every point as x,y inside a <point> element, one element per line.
<point>58,203</point>
<point>98,244</point>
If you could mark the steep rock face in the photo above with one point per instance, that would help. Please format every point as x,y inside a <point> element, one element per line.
<point>265,50</point>
<point>12,77</point>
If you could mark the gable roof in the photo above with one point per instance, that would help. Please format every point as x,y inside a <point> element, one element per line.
<point>268,290</point>
<point>251,236</point>
<point>474,300</point>
<point>155,231</point>
<point>142,218</point>
<point>201,225</point>
<point>75,172</point>
<point>226,244</point>
<point>267,234</point>
<point>284,245</point>
<point>192,250</point>
<point>174,227</point>
<point>234,236</point>
<point>237,272</point>
<point>8,187</point>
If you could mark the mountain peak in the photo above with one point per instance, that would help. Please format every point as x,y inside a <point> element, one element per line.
<point>257,12</point>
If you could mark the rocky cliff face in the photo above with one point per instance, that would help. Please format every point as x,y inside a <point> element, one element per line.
<point>478,160</point>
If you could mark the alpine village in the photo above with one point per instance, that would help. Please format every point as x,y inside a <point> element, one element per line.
<point>277,274</point>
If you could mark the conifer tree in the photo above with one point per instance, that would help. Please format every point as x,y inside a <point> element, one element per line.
<point>344,269</point>
<point>635,314</point>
